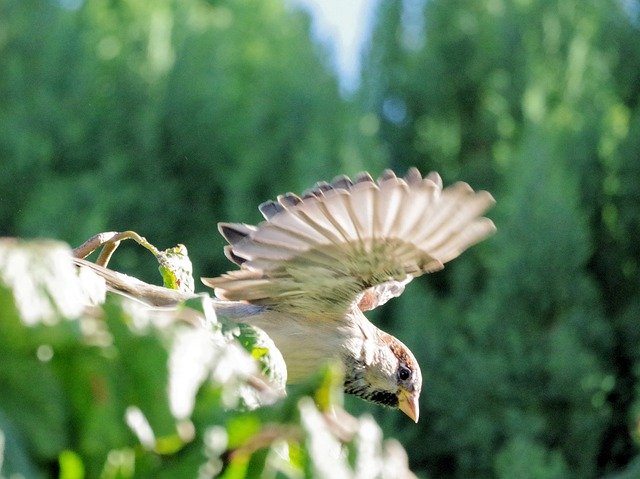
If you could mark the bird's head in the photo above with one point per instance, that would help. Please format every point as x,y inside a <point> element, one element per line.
<point>385,372</point>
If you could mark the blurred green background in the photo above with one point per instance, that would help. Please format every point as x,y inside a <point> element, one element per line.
<point>166,117</point>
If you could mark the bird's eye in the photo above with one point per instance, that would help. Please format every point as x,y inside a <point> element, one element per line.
<point>404,373</point>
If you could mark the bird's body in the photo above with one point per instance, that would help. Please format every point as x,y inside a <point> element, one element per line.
<point>298,340</point>
<point>353,340</point>
<point>318,261</point>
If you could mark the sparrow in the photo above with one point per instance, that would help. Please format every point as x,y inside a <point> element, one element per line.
<point>318,261</point>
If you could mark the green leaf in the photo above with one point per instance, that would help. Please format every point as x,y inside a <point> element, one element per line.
<point>176,269</point>
<point>262,348</point>
<point>258,463</point>
<point>71,466</point>
<point>240,429</point>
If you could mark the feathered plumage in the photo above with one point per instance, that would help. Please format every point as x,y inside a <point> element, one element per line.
<point>320,259</point>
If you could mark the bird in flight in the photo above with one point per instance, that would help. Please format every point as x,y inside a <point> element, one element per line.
<point>318,261</point>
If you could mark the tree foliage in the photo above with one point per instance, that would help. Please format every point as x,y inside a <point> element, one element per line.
<point>129,116</point>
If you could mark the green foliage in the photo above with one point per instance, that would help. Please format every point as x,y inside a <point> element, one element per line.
<point>521,458</point>
<point>118,390</point>
<point>145,114</point>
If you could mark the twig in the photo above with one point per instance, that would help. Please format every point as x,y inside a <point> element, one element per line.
<point>109,241</point>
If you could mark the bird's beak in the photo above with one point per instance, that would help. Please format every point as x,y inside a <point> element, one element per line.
<point>408,404</point>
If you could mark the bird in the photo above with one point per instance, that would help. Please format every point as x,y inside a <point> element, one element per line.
<point>307,273</point>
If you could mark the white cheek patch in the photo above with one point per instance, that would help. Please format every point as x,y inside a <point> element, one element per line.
<point>381,367</point>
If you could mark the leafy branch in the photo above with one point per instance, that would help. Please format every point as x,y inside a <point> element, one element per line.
<point>98,380</point>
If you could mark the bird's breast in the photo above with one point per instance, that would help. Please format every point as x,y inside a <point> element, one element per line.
<point>305,343</point>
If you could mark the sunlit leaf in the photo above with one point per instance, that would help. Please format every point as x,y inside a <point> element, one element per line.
<point>263,350</point>
<point>190,361</point>
<point>176,269</point>
<point>120,464</point>
<point>368,449</point>
<point>44,282</point>
<point>324,451</point>
<point>241,428</point>
<point>71,466</point>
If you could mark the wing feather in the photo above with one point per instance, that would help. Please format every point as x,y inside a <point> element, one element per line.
<point>393,192</point>
<point>363,200</point>
<point>351,242</point>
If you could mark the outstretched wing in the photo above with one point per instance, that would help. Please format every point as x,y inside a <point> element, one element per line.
<point>350,241</point>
